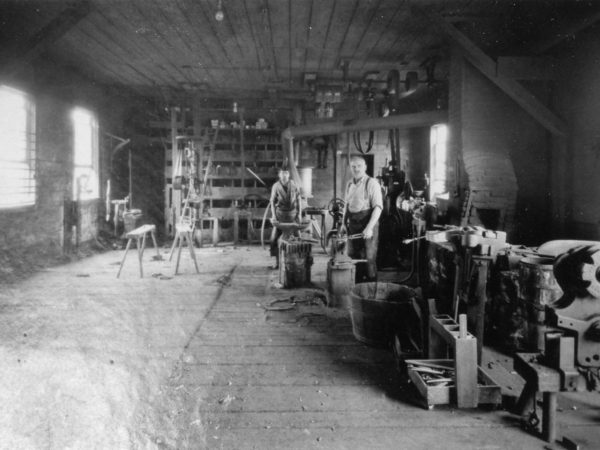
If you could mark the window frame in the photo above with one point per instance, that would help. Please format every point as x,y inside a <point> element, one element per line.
<point>94,165</point>
<point>29,159</point>
<point>438,178</point>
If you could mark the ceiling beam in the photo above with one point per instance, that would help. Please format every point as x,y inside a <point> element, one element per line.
<point>180,95</point>
<point>488,67</point>
<point>44,38</point>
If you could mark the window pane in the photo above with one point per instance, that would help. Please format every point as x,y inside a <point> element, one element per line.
<point>17,144</point>
<point>438,160</point>
<point>85,178</point>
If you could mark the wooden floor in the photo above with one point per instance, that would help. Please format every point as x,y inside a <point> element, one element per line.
<point>195,361</point>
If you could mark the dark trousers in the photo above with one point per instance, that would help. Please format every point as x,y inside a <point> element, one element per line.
<point>283,217</point>
<point>363,248</point>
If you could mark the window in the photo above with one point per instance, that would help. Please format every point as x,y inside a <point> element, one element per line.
<point>85,142</point>
<point>17,149</point>
<point>438,142</point>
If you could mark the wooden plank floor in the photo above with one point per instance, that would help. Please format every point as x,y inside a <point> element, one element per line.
<point>195,361</point>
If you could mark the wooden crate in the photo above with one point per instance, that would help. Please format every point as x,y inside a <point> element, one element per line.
<point>488,391</point>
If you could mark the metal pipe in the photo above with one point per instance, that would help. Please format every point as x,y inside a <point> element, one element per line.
<point>256,176</point>
<point>549,416</point>
<point>335,156</point>
<point>366,124</point>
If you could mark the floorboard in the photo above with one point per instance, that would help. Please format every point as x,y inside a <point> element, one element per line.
<point>193,361</point>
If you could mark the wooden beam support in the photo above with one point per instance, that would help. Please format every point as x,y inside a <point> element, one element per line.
<point>44,38</point>
<point>487,66</point>
<point>379,123</point>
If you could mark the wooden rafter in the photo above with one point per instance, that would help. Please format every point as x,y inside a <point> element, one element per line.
<point>169,56</point>
<point>127,48</point>
<point>209,20</point>
<point>256,46</point>
<point>383,32</point>
<point>368,24</point>
<point>196,41</point>
<point>49,34</point>
<point>487,66</point>
<point>290,42</point>
<point>270,41</point>
<point>339,51</point>
<point>308,29</point>
<point>327,30</point>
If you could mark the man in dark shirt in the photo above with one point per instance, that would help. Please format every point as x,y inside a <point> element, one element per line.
<point>285,208</point>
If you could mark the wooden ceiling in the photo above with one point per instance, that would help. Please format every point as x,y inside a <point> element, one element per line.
<point>266,46</point>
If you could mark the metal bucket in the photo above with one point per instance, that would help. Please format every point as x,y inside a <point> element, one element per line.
<point>340,281</point>
<point>537,288</point>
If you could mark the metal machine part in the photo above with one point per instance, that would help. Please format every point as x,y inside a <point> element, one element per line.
<point>571,358</point>
<point>578,310</point>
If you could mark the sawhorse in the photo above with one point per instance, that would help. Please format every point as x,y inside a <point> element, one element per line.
<point>139,234</point>
<point>184,231</point>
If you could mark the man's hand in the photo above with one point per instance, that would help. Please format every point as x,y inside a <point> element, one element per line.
<point>274,221</point>
<point>367,233</point>
<point>342,231</point>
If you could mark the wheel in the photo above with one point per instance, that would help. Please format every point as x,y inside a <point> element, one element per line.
<point>336,210</point>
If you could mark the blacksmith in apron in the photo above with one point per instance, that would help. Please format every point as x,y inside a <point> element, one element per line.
<point>361,217</point>
<point>285,208</point>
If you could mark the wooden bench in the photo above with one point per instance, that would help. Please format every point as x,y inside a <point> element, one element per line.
<point>139,234</point>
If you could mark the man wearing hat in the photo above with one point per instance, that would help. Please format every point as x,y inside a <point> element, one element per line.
<point>363,206</point>
<point>285,208</point>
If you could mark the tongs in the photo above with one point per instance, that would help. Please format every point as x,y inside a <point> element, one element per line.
<point>356,236</point>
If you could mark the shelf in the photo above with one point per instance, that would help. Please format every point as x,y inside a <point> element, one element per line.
<point>228,155</point>
<point>263,153</point>
<point>235,192</point>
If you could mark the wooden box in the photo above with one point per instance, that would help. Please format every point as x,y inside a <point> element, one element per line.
<point>488,392</point>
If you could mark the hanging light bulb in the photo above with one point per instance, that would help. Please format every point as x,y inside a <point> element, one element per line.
<point>219,15</point>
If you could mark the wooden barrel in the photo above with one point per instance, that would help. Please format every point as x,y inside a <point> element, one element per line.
<point>379,310</point>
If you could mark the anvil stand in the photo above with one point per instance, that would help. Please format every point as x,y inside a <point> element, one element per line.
<point>289,231</point>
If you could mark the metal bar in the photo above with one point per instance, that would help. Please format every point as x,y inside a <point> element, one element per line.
<point>549,417</point>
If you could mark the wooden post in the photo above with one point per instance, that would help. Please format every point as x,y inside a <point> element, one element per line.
<point>549,416</point>
<point>198,144</point>
<point>466,367</point>
<point>482,263</point>
<point>242,150</point>
<point>176,164</point>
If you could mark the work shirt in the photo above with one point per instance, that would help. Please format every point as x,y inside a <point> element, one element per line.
<point>364,194</point>
<point>285,197</point>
